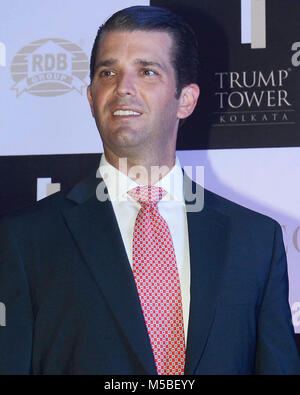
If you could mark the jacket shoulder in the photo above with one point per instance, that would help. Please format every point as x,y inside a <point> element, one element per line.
<point>237,212</point>
<point>47,206</point>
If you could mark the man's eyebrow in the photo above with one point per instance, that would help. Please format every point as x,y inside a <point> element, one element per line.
<point>149,63</point>
<point>106,63</point>
<point>141,62</point>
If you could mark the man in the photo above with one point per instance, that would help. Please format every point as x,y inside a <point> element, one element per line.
<point>137,284</point>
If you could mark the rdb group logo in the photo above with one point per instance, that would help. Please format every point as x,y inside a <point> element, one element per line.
<point>49,67</point>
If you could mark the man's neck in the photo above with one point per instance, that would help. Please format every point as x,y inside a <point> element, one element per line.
<point>142,171</point>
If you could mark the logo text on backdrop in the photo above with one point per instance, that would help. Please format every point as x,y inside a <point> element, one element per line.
<point>49,67</point>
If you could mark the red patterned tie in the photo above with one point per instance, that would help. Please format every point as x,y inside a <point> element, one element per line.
<point>156,276</point>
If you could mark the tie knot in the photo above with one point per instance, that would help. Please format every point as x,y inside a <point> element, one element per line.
<point>147,194</point>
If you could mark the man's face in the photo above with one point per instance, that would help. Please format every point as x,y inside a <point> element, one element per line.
<point>132,95</point>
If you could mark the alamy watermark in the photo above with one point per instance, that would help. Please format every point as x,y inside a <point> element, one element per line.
<point>193,191</point>
<point>2,314</point>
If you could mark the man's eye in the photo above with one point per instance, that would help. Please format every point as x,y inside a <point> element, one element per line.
<point>149,72</point>
<point>107,73</point>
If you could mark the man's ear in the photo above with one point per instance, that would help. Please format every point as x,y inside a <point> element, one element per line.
<point>188,100</point>
<point>90,99</point>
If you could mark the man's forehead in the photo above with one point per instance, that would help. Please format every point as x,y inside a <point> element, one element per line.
<point>143,38</point>
<point>144,44</point>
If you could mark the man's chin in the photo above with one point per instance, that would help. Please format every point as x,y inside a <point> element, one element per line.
<point>126,143</point>
<point>126,135</point>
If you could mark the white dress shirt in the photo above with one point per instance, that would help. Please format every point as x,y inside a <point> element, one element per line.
<point>172,209</point>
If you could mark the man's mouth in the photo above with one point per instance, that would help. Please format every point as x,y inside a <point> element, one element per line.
<point>126,113</point>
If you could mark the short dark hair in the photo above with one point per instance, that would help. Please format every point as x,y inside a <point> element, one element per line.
<point>184,57</point>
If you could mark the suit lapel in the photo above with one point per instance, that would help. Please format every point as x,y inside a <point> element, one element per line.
<point>96,232</point>
<point>207,241</point>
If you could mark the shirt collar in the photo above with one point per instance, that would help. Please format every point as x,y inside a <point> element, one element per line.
<point>118,183</point>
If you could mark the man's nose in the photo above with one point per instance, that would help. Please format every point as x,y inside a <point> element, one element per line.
<point>125,84</point>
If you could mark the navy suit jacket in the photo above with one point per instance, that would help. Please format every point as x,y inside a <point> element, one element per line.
<point>72,306</point>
